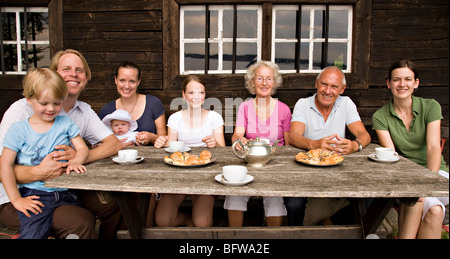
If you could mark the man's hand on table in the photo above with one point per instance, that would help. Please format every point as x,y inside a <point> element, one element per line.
<point>51,166</point>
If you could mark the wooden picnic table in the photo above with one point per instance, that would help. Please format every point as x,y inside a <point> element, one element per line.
<point>357,177</point>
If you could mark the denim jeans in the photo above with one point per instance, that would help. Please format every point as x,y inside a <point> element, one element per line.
<point>39,226</point>
<point>346,215</point>
<point>295,207</point>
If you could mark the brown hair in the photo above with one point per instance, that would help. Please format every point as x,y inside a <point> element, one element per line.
<point>128,64</point>
<point>195,78</point>
<point>403,63</point>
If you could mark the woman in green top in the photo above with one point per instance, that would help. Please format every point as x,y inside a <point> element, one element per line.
<point>412,126</point>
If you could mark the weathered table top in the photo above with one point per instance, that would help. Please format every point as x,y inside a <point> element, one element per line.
<point>357,176</point>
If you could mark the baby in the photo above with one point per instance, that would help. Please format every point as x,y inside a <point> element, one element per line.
<point>122,126</point>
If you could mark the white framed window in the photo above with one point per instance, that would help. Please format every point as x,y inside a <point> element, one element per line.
<point>230,48</point>
<point>323,41</point>
<point>24,41</point>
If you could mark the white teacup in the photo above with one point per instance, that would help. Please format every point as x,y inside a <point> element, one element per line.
<point>385,153</point>
<point>176,145</point>
<point>234,173</point>
<point>128,154</point>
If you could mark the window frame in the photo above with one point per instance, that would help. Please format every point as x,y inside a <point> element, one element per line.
<point>19,42</point>
<point>357,79</point>
<point>311,39</point>
<point>220,39</point>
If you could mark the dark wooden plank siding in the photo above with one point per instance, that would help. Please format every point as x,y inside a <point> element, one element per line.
<point>417,30</point>
<point>108,32</point>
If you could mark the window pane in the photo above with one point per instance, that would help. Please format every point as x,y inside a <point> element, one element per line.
<point>38,55</point>
<point>37,26</point>
<point>318,23</point>
<point>213,56</point>
<point>246,55</point>
<point>338,24</point>
<point>304,56</point>
<point>317,56</point>
<point>194,56</point>
<point>285,24</point>
<point>247,21</point>
<point>9,26</point>
<point>285,55</point>
<point>228,23</point>
<point>10,59</point>
<point>213,19</point>
<point>228,56</point>
<point>194,24</point>
<point>305,23</point>
<point>337,55</point>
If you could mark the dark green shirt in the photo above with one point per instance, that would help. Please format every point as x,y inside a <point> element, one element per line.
<point>411,144</point>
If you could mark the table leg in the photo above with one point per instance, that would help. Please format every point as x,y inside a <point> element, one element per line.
<point>360,212</point>
<point>130,212</point>
<point>376,213</point>
<point>144,201</point>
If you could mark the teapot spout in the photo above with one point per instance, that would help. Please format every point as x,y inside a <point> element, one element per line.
<point>274,146</point>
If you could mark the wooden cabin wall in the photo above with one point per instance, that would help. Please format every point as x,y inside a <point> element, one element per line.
<point>108,32</point>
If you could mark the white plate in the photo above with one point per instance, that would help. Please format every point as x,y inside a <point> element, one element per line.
<point>212,160</point>
<point>184,149</point>
<point>221,180</point>
<point>121,162</point>
<point>306,163</point>
<point>375,158</point>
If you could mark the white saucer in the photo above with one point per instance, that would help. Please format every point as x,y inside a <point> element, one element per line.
<point>184,149</point>
<point>221,180</point>
<point>375,158</point>
<point>121,162</point>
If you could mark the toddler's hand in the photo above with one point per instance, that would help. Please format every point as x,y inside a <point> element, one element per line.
<point>77,168</point>
<point>29,203</point>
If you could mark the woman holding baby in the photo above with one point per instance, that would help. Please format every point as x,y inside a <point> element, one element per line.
<point>147,110</point>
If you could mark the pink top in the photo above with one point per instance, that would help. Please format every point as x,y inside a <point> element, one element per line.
<point>272,129</point>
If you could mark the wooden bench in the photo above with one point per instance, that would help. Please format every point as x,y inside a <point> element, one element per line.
<point>305,232</point>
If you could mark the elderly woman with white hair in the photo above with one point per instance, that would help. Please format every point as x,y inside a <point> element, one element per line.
<point>267,118</point>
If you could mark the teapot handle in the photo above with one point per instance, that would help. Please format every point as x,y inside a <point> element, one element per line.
<point>235,151</point>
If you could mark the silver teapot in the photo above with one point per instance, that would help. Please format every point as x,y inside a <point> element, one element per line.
<point>256,152</point>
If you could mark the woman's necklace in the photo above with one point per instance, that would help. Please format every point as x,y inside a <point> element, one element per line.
<point>264,108</point>
<point>132,109</point>
<point>401,115</point>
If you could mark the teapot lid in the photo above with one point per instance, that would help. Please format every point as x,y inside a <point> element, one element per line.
<point>257,141</point>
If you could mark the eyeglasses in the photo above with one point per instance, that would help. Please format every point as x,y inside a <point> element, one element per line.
<point>268,80</point>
